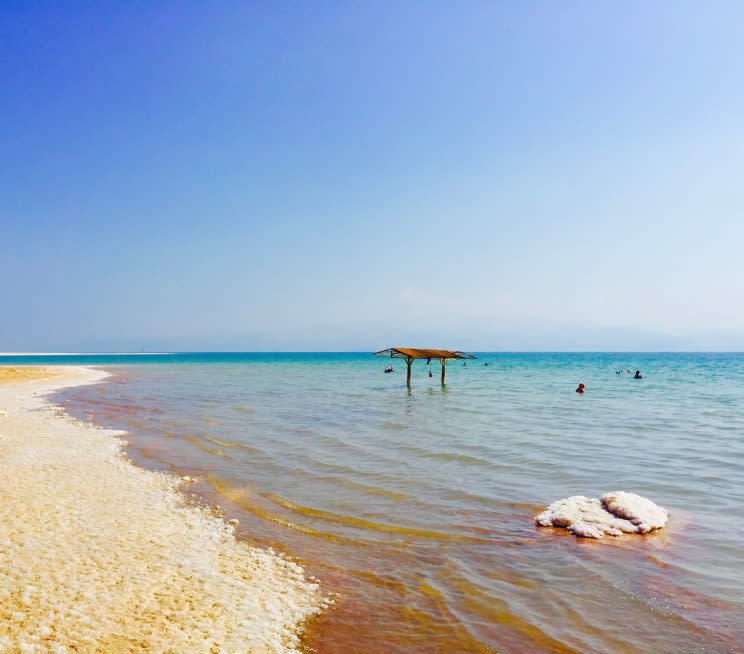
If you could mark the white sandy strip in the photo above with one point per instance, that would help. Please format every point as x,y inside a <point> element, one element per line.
<point>98,555</point>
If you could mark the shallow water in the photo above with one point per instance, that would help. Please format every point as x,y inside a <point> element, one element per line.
<point>415,506</point>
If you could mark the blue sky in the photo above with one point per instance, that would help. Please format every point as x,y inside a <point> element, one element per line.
<point>343,176</point>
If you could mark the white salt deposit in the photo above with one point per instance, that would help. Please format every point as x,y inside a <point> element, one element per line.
<point>98,555</point>
<point>613,514</point>
<point>642,512</point>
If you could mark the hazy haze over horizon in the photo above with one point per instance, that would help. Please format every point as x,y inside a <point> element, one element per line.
<point>325,177</point>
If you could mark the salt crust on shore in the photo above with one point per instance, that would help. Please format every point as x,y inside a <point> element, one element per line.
<point>98,555</point>
<point>612,514</point>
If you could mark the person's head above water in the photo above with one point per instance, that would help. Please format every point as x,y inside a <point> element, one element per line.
<point>638,375</point>
<point>581,388</point>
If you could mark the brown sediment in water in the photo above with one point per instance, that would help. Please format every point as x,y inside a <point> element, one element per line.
<point>418,617</point>
<point>657,562</point>
<point>98,555</point>
<point>495,611</point>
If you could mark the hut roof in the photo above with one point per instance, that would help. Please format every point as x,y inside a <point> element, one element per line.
<point>417,353</point>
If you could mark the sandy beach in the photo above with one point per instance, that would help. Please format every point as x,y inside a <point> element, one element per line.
<point>98,555</point>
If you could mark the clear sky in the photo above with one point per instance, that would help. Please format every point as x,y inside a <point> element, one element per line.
<point>355,175</point>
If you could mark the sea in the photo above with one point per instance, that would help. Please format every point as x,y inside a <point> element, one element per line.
<point>414,506</point>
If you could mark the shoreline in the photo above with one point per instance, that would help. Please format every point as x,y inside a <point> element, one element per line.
<point>98,554</point>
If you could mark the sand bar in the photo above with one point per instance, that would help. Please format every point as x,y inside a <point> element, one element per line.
<point>98,555</point>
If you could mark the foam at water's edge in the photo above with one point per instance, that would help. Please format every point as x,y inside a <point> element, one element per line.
<point>97,554</point>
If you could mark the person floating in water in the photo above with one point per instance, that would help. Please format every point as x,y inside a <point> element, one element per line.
<point>581,388</point>
<point>638,375</point>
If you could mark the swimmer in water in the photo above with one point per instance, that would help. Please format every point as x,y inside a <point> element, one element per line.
<point>638,375</point>
<point>581,388</point>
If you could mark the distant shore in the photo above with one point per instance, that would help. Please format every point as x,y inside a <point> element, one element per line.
<point>77,354</point>
<point>97,554</point>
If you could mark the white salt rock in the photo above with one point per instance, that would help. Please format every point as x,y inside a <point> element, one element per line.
<point>612,515</point>
<point>642,512</point>
<point>583,516</point>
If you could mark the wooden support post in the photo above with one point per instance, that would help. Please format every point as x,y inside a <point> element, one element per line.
<point>409,361</point>
<point>444,368</point>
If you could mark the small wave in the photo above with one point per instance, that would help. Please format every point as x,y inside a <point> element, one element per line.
<point>466,641</point>
<point>369,524</point>
<point>231,445</point>
<point>239,497</point>
<point>395,426</point>
<point>213,451</point>
<point>317,464</point>
<point>448,456</point>
<point>494,610</point>
<point>367,488</point>
<point>456,456</point>
<point>212,422</point>
<point>243,409</point>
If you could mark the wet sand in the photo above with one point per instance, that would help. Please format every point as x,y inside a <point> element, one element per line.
<point>98,555</point>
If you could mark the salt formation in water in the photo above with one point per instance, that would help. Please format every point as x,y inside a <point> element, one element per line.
<point>612,514</point>
<point>642,512</point>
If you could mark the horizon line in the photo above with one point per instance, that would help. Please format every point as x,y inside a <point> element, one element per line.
<point>172,353</point>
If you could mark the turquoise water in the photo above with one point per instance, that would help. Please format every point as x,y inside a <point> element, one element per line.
<point>416,505</point>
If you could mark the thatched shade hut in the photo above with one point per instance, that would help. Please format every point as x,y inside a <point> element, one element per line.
<point>410,353</point>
